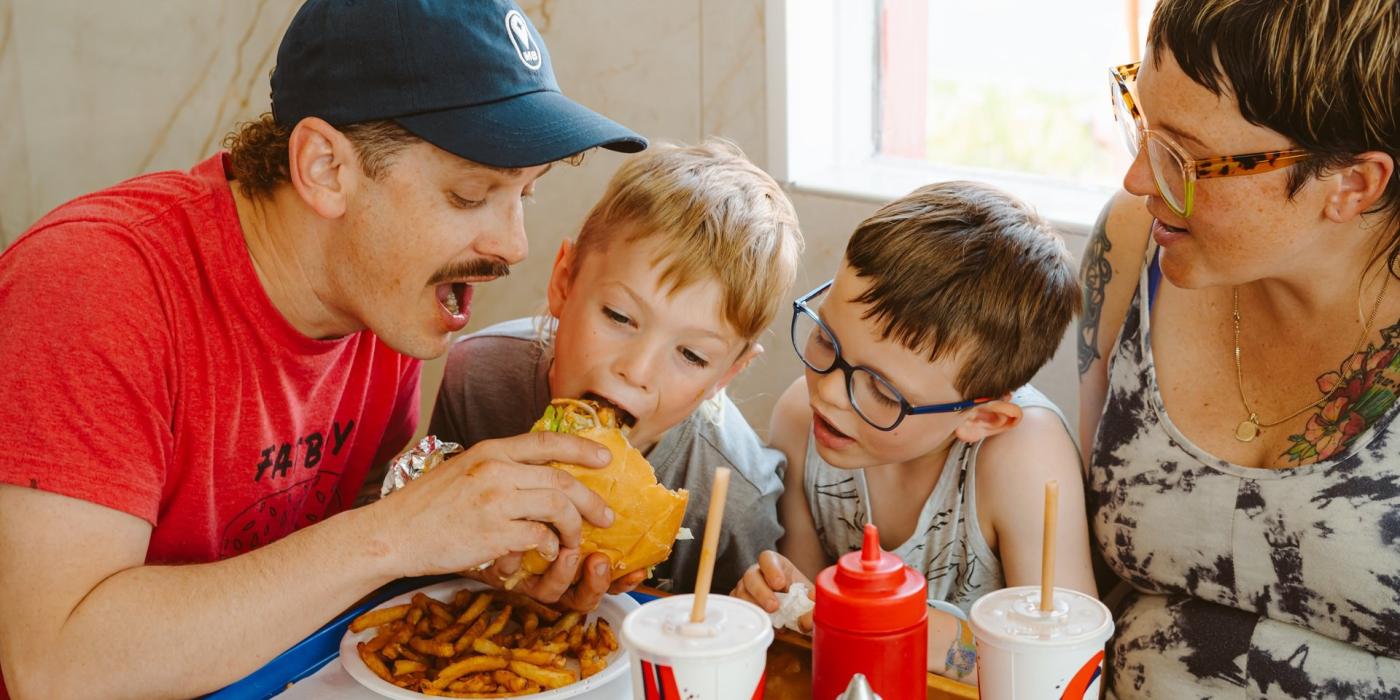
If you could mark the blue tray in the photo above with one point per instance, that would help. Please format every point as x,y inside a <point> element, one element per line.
<point>310,654</point>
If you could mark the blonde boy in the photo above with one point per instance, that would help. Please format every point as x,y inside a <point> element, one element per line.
<point>656,307</point>
<point>916,413</point>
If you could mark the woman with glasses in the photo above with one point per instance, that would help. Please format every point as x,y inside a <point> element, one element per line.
<point>1240,354</point>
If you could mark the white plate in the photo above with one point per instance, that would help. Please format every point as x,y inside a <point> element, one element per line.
<point>612,682</point>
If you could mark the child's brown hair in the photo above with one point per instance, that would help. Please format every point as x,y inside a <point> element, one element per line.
<point>965,270</point>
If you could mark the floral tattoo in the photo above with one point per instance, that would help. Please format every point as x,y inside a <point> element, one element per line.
<point>1366,385</point>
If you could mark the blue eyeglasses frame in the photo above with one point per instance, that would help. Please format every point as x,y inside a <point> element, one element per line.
<point>800,308</point>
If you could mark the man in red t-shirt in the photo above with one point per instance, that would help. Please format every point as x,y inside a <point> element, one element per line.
<point>200,368</point>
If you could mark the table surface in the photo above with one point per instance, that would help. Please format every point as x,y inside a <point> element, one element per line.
<point>333,682</point>
<point>789,675</point>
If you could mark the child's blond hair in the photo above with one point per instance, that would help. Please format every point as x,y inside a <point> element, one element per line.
<point>715,215</point>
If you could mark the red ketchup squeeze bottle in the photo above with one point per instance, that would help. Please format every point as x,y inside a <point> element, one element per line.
<point>870,618</point>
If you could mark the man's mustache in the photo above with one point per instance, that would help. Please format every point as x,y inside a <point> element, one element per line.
<point>480,267</point>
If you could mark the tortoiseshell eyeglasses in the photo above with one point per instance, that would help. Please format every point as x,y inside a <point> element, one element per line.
<point>1173,169</point>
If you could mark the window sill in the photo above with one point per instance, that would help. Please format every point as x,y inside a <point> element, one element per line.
<point>1070,207</point>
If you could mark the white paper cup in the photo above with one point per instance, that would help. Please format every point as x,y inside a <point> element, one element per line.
<point>1024,654</point>
<point>722,658</point>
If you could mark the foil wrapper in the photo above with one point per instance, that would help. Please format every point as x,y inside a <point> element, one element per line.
<point>413,462</point>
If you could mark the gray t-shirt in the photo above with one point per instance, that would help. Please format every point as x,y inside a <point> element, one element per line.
<point>497,384</point>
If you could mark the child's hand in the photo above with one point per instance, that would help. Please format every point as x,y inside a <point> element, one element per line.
<point>771,575</point>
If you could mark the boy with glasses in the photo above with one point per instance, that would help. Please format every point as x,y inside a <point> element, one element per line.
<point>916,413</point>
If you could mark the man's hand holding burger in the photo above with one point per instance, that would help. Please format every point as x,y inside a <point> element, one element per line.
<point>493,500</point>
<point>544,530</point>
<point>564,583</point>
<point>650,518</point>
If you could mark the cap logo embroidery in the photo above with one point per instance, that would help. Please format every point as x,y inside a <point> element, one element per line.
<point>525,46</point>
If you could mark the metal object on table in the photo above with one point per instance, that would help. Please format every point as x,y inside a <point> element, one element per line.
<point>790,672</point>
<point>859,689</point>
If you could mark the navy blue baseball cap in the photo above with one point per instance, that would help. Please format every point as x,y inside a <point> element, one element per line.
<point>471,77</point>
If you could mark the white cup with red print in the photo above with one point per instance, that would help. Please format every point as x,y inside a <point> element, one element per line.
<point>722,658</point>
<point>1024,653</point>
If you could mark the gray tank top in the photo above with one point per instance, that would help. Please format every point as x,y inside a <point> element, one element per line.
<point>947,544</point>
<point>1246,583</point>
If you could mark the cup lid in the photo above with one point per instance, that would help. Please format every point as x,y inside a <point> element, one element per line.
<point>1012,616</point>
<point>662,628</point>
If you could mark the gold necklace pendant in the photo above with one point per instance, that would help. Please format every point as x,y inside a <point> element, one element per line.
<point>1248,429</point>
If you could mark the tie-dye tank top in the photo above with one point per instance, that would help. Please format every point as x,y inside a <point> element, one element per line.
<point>1245,583</point>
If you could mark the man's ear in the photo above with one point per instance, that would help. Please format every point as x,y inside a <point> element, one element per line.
<point>1357,187</point>
<point>740,364</point>
<point>988,419</point>
<point>319,166</point>
<point>560,278</point>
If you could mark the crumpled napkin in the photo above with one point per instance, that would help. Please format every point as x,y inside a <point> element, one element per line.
<point>792,605</point>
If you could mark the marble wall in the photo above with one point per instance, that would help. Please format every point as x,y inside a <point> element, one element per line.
<point>92,93</point>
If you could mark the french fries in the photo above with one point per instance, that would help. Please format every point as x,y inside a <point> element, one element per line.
<point>549,678</point>
<point>473,664</point>
<point>403,667</point>
<point>489,648</point>
<point>375,618</point>
<point>485,644</point>
<point>431,648</point>
<point>375,663</point>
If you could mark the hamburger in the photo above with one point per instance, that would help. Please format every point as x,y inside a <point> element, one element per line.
<point>648,514</point>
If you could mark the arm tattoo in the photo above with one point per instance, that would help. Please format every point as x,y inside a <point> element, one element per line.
<point>1094,273</point>
<point>962,655</point>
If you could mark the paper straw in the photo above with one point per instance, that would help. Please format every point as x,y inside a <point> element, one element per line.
<point>710,544</point>
<point>1047,552</point>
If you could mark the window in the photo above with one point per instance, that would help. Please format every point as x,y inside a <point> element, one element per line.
<point>876,97</point>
